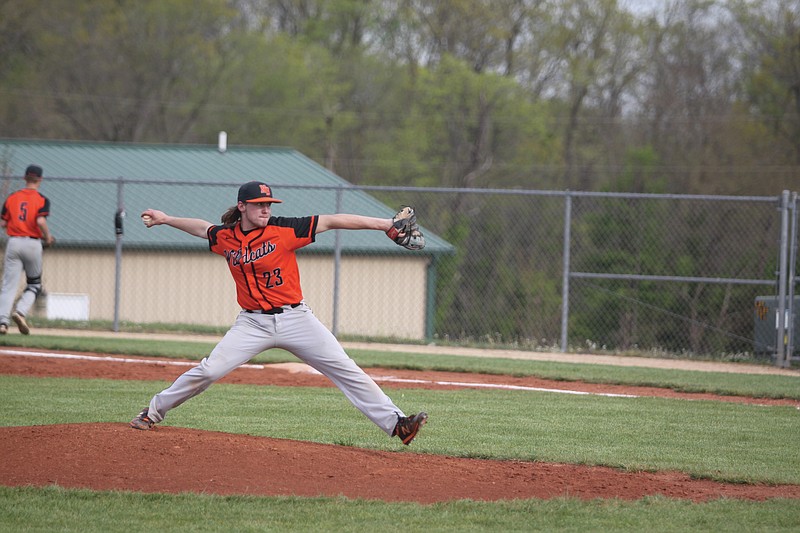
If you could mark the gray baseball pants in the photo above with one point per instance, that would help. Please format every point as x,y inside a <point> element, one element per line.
<point>22,254</point>
<point>298,331</point>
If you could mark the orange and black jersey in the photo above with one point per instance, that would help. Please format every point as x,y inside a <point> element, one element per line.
<point>20,211</point>
<point>263,261</point>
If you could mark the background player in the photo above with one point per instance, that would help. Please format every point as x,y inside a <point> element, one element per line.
<point>24,218</point>
<point>260,252</point>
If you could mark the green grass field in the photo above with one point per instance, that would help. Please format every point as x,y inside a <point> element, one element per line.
<point>722,441</point>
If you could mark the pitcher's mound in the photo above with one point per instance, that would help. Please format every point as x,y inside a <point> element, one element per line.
<point>174,460</point>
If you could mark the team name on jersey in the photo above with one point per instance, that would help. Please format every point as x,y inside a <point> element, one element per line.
<point>238,257</point>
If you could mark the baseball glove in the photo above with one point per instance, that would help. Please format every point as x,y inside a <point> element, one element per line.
<point>405,231</point>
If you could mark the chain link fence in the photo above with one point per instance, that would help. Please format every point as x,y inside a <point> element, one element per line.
<point>666,275</point>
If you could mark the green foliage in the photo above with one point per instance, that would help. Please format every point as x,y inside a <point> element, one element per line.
<point>773,75</point>
<point>501,266</point>
<point>661,238</point>
<point>126,71</point>
<point>622,237</point>
<point>288,83</point>
<point>640,173</point>
<point>421,94</point>
<point>475,118</point>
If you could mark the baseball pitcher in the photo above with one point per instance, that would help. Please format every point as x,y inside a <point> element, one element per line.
<point>259,249</point>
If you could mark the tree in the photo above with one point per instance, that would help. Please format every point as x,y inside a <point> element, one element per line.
<point>688,94</point>
<point>128,70</point>
<point>771,41</point>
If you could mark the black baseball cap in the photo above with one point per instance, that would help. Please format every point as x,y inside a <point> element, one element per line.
<point>257,192</point>
<point>34,170</point>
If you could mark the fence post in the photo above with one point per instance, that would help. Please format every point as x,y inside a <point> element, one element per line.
<point>118,230</point>
<point>780,341</point>
<point>566,271</point>
<point>792,280</point>
<point>337,261</point>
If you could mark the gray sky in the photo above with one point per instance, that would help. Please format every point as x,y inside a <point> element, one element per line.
<point>640,6</point>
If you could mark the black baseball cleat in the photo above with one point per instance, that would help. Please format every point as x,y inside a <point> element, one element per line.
<point>142,421</point>
<point>21,323</point>
<point>408,426</point>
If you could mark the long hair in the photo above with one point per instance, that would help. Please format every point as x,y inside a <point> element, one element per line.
<point>231,216</point>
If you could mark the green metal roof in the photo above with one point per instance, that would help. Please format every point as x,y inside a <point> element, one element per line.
<point>159,162</point>
<point>84,181</point>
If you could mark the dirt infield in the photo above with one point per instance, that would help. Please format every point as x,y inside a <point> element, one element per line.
<point>104,456</point>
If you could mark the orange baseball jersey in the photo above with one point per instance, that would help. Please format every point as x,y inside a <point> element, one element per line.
<point>20,211</point>
<point>263,261</point>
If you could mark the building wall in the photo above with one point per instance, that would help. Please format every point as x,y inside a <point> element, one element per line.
<point>196,288</point>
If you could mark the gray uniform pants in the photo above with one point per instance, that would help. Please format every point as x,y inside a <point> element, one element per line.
<point>22,254</point>
<point>297,331</point>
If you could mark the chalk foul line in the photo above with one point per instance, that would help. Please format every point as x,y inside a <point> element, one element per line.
<point>387,379</point>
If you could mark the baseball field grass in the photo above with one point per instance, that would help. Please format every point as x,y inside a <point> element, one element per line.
<point>718,440</point>
<point>761,386</point>
<point>54,509</point>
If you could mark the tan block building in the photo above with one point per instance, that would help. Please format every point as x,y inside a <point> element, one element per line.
<point>162,275</point>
